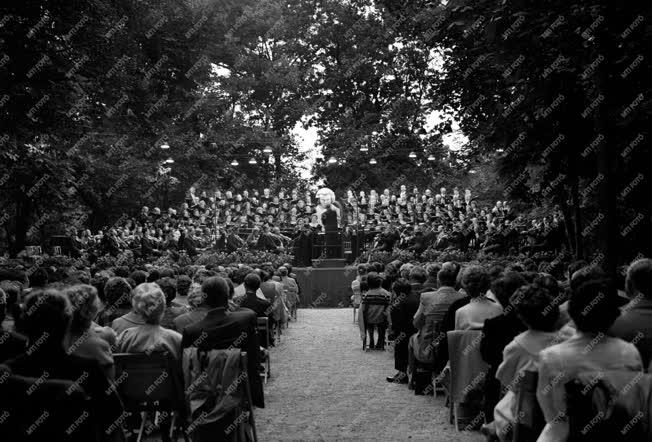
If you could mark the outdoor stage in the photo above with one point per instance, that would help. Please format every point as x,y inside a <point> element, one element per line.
<point>324,286</point>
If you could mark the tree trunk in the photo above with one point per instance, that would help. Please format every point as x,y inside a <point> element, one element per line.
<point>578,244</point>
<point>23,209</point>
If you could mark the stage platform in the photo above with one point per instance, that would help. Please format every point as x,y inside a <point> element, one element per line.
<point>325,286</point>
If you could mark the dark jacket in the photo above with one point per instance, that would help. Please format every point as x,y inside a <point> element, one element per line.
<point>11,345</point>
<point>253,302</point>
<point>221,329</point>
<point>403,309</point>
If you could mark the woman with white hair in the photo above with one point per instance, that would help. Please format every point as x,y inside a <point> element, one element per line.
<point>149,303</point>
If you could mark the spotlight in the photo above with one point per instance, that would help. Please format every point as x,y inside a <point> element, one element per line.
<point>373,161</point>
<point>431,158</point>
<point>165,145</point>
<point>267,149</point>
<point>412,155</point>
<point>253,161</point>
<point>332,160</point>
<point>234,163</point>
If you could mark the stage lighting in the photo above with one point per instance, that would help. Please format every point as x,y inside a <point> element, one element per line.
<point>364,149</point>
<point>267,149</point>
<point>234,163</point>
<point>253,161</point>
<point>332,160</point>
<point>168,161</point>
<point>412,155</point>
<point>165,145</point>
<point>431,158</point>
<point>373,161</point>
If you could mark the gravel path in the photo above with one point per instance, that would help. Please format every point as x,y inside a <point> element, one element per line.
<point>325,388</point>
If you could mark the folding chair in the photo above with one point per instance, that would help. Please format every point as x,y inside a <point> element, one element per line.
<point>467,370</point>
<point>244,430</point>
<point>37,410</point>
<point>152,383</point>
<point>263,330</point>
<point>529,417</point>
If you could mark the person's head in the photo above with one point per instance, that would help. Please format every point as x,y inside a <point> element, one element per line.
<point>505,286</point>
<point>39,278</point>
<point>153,276</point>
<point>12,291</point>
<point>252,282</point>
<point>418,275</point>
<point>122,271</point>
<point>447,276</point>
<point>85,306</point>
<point>404,270</point>
<point>639,278</point>
<point>117,292</point>
<point>575,266</point>
<point>401,287</point>
<point>283,271</point>
<point>362,269</point>
<point>475,281</point>
<point>169,288</point>
<point>549,283</point>
<point>46,318</point>
<point>216,291</point>
<point>591,306</point>
<point>374,280</point>
<point>149,302</point>
<point>195,295</point>
<point>433,270</point>
<point>585,274</point>
<point>183,285</point>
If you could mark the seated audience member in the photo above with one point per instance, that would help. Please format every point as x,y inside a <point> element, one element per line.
<point>498,332</point>
<point>138,276</point>
<point>47,316</point>
<point>83,340</point>
<point>172,309</point>
<point>430,314</point>
<point>117,296</point>
<point>149,304</point>
<point>373,310</point>
<point>431,284</point>
<point>593,311</point>
<point>198,309</point>
<point>401,316</point>
<point>12,291</point>
<point>475,281</point>
<point>635,321</point>
<point>534,305</point>
<point>38,280</point>
<point>11,344</point>
<point>251,301</point>
<point>290,288</point>
<point>222,329</point>
<point>356,298</point>
<point>183,288</point>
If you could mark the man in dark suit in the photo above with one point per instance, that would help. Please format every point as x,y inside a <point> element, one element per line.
<point>221,329</point>
<point>402,312</point>
<point>251,301</point>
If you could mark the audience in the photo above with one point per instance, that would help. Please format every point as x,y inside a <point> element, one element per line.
<point>11,344</point>
<point>475,281</point>
<point>373,311</point>
<point>635,321</point>
<point>221,329</point>
<point>149,303</point>
<point>83,339</point>
<point>251,301</point>
<point>593,311</point>
<point>47,316</point>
